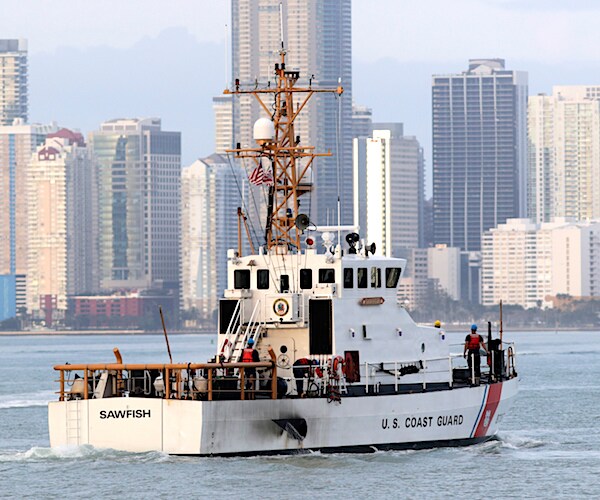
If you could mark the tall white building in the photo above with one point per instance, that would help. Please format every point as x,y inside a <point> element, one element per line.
<point>389,189</point>
<point>61,255</point>
<point>528,264</point>
<point>318,41</point>
<point>564,154</point>
<point>13,81</point>
<point>210,192</point>
<point>444,266</point>
<point>223,110</point>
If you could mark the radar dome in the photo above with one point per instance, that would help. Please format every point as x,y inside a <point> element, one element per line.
<point>264,130</point>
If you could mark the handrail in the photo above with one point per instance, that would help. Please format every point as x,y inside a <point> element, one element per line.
<point>176,384</point>
<point>161,366</point>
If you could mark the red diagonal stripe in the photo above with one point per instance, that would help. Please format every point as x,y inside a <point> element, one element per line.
<point>491,404</point>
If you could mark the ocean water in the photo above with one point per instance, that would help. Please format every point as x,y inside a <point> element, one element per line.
<point>548,445</point>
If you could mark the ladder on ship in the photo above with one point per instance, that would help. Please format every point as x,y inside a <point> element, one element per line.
<point>73,422</point>
<point>239,333</point>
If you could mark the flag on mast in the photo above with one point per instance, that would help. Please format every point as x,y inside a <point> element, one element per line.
<point>260,176</point>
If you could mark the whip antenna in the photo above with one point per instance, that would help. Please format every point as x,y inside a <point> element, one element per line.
<point>162,318</point>
<point>281,23</point>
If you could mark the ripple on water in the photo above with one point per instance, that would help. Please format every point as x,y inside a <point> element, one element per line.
<point>79,453</point>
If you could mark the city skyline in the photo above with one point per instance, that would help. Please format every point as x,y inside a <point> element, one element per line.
<point>477,118</point>
<point>553,41</point>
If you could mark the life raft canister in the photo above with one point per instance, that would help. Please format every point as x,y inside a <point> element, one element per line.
<point>247,355</point>
<point>473,344</point>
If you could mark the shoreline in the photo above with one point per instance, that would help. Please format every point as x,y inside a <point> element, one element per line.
<point>51,333</point>
<point>451,329</point>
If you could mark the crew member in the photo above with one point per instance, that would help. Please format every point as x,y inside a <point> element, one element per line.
<point>438,325</point>
<point>250,355</point>
<point>473,343</point>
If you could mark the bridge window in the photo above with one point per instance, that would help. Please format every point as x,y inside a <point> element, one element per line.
<point>327,275</point>
<point>375,277</point>
<point>361,276</point>
<point>306,279</point>
<point>262,279</point>
<point>284,282</point>
<point>392,275</point>
<point>348,277</point>
<point>241,279</point>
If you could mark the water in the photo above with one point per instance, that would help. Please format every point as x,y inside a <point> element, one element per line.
<point>548,446</point>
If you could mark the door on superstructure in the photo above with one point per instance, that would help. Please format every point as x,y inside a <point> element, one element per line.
<point>226,312</point>
<point>320,326</point>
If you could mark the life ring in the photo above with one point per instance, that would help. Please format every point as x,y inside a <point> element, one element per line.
<point>281,307</point>
<point>337,365</point>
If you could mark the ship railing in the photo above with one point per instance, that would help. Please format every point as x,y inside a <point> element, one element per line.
<point>183,381</point>
<point>425,368</point>
<point>500,364</point>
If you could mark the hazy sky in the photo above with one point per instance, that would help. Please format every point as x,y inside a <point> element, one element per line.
<point>424,30</point>
<point>93,60</point>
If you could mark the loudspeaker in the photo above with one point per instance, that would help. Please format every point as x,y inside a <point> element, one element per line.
<point>302,221</point>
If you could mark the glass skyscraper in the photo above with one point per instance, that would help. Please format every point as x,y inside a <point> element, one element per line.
<point>138,191</point>
<point>479,151</point>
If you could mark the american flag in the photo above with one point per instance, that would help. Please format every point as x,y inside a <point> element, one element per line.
<point>260,176</point>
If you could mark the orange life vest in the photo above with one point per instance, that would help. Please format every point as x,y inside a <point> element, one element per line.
<point>473,344</point>
<point>247,355</point>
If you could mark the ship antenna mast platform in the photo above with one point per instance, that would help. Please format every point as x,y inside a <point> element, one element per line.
<point>287,160</point>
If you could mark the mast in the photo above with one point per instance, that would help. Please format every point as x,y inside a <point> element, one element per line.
<point>282,155</point>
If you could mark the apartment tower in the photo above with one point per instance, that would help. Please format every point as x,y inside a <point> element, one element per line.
<point>479,151</point>
<point>13,81</point>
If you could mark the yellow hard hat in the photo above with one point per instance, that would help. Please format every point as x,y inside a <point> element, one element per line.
<point>437,323</point>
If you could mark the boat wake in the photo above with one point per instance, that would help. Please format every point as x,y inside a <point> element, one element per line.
<point>41,398</point>
<point>503,442</point>
<point>79,453</point>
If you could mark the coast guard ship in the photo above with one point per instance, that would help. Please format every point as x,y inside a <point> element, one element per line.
<point>341,365</point>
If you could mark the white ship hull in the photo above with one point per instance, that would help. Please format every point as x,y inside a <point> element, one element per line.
<point>360,424</point>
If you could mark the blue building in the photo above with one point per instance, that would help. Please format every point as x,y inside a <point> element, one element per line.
<point>8,296</point>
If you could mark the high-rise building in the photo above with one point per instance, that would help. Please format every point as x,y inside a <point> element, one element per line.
<point>138,185</point>
<point>61,252</point>
<point>13,81</point>
<point>389,186</point>
<point>223,109</point>
<point>210,195</point>
<point>318,40</point>
<point>529,264</point>
<point>362,121</point>
<point>479,151</point>
<point>443,266</point>
<point>17,143</point>
<point>564,155</point>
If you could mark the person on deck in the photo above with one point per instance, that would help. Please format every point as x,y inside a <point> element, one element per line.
<point>473,344</point>
<point>250,355</point>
